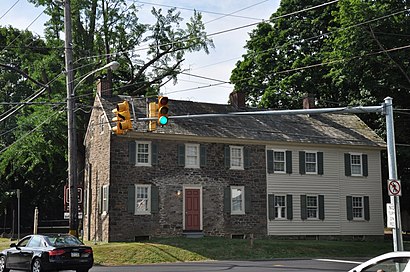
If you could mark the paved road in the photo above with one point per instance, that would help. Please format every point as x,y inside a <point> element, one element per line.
<point>285,265</point>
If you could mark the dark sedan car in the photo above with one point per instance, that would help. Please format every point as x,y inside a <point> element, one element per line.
<point>38,253</point>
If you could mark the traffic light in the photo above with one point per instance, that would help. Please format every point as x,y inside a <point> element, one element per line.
<point>163,110</point>
<point>152,112</point>
<point>122,118</point>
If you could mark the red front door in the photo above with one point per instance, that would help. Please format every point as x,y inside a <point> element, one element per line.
<point>192,209</point>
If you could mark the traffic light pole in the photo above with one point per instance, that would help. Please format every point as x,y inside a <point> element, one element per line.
<point>72,135</point>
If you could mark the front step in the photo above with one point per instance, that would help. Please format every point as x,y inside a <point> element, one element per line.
<point>193,234</point>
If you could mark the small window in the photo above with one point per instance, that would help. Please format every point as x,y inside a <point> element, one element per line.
<point>312,207</point>
<point>356,164</point>
<point>237,200</point>
<point>279,161</point>
<point>143,153</point>
<point>102,123</point>
<point>357,204</point>
<point>142,199</point>
<point>311,163</point>
<point>105,196</point>
<point>92,128</point>
<point>192,155</point>
<point>236,157</point>
<point>280,207</point>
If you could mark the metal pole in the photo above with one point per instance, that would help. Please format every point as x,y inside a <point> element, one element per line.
<point>18,214</point>
<point>391,156</point>
<point>72,139</point>
<point>35,220</point>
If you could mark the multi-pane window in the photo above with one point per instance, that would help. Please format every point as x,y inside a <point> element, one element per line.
<point>356,164</point>
<point>143,153</point>
<point>237,200</point>
<point>311,162</point>
<point>280,206</point>
<point>312,206</point>
<point>357,204</point>
<point>192,155</point>
<point>279,161</point>
<point>105,199</point>
<point>142,199</point>
<point>236,157</point>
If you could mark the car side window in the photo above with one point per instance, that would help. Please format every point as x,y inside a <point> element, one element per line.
<point>35,242</point>
<point>24,242</point>
<point>389,265</point>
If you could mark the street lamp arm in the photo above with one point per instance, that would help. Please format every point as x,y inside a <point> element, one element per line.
<point>112,65</point>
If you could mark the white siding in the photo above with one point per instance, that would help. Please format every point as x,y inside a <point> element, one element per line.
<point>334,186</point>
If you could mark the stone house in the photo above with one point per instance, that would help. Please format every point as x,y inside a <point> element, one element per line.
<point>290,175</point>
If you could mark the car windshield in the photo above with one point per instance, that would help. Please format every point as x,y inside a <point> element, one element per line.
<point>63,240</point>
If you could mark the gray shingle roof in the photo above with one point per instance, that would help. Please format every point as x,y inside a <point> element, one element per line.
<point>346,129</point>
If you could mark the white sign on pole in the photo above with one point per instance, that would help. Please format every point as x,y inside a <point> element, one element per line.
<point>391,218</point>
<point>394,187</point>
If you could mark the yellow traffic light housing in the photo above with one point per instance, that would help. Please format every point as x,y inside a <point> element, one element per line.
<point>163,110</point>
<point>122,118</point>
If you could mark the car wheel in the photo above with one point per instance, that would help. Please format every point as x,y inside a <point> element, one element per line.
<point>36,266</point>
<point>3,264</point>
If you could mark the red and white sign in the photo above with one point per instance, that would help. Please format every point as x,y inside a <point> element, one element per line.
<point>394,187</point>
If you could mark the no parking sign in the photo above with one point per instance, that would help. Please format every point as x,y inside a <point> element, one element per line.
<point>394,187</point>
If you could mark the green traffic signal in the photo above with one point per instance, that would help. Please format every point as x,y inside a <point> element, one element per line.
<point>163,120</point>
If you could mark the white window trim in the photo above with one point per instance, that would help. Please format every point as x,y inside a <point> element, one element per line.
<point>148,211</point>
<point>149,153</point>
<point>284,156</point>
<point>197,157</point>
<point>361,165</point>
<point>316,164</point>
<point>102,125</point>
<point>362,208</point>
<point>317,207</point>
<point>235,167</point>
<point>282,207</point>
<point>105,199</point>
<point>242,211</point>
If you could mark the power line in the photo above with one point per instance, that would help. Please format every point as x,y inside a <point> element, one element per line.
<point>7,11</point>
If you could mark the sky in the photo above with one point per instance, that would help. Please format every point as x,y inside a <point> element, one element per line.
<point>217,15</point>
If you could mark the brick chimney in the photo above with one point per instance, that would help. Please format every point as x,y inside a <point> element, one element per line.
<point>237,99</point>
<point>104,87</point>
<point>309,101</point>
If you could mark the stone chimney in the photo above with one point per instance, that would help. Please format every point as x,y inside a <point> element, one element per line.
<point>104,87</point>
<point>237,99</point>
<point>308,101</point>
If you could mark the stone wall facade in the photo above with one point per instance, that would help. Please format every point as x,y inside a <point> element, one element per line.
<point>169,178</point>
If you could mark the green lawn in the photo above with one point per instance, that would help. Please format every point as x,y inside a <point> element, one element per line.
<point>183,250</point>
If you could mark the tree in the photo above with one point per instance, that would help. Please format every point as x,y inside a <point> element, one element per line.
<point>271,72</point>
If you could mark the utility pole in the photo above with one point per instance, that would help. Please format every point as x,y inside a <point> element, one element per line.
<point>72,137</point>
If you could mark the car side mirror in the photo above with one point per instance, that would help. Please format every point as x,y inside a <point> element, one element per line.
<point>13,245</point>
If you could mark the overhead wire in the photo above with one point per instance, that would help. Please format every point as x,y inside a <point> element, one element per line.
<point>7,11</point>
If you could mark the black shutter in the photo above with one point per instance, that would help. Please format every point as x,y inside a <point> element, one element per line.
<point>289,162</point>
<point>303,207</point>
<point>131,199</point>
<point>302,162</point>
<point>227,199</point>
<point>271,207</point>
<point>321,207</point>
<point>227,157</point>
<point>349,207</point>
<point>132,152</point>
<point>203,155</point>
<point>154,154</point>
<point>246,157</point>
<point>289,207</point>
<point>366,208</point>
<point>365,165</point>
<point>348,170</point>
<point>154,199</point>
<point>320,163</point>
<point>181,155</point>
<point>269,159</point>
<point>248,198</point>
